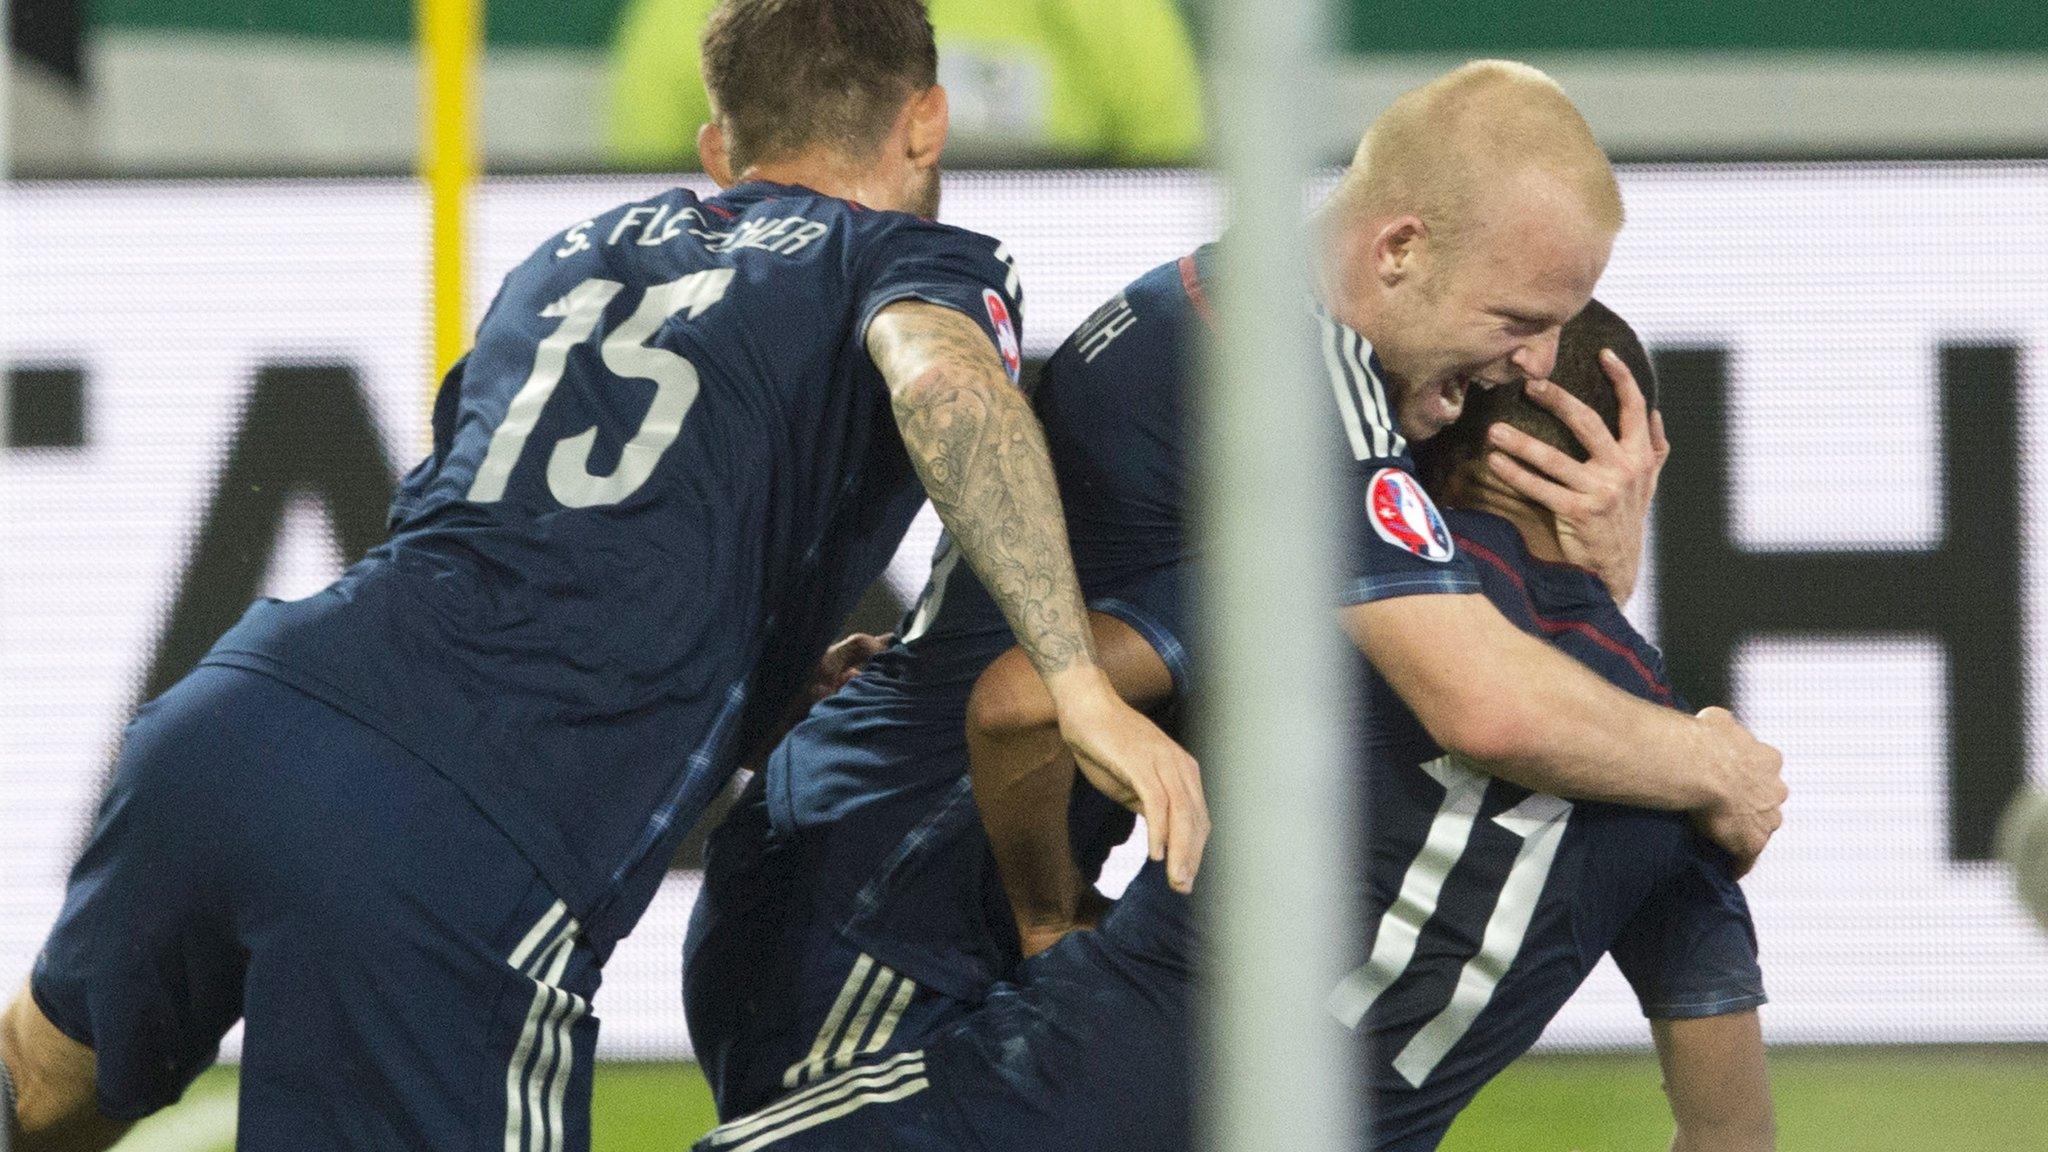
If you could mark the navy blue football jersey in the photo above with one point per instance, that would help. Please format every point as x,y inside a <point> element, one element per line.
<point>1488,904</point>
<point>659,481</point>
<point>869,765</point>
<point>885,758</point>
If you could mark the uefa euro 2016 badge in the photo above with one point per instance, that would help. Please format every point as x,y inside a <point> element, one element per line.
<point>1404,517</point>
<point>1006,333</point>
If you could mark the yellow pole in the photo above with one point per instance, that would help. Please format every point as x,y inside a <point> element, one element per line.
<point>450,41</point>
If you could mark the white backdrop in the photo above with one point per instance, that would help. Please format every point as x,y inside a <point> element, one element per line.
<point>1831,286</point>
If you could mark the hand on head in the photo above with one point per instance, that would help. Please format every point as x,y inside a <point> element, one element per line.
<point>1600,505</point>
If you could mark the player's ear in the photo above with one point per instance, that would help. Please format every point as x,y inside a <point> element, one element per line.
<point>926,120</point>
<point>1396,249</point>
<point>711,150</point>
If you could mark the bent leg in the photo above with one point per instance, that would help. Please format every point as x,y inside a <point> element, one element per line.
<point>140,977</point>
<point>1715,1076</point>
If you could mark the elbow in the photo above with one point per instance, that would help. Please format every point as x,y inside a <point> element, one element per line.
<point>1492,731</point>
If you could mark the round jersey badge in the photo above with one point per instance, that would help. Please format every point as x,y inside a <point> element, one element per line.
<point>1403,516</point>
<point>1006,333</point>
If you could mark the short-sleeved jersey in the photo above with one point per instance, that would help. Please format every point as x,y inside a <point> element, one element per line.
<point>661,478</point>
<point>1487,904</point>
<point>886,756</point>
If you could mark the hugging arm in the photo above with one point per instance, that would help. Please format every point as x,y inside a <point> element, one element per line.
<point>1534,716</point>
<point>979,449</point>
<point>49,1094</point>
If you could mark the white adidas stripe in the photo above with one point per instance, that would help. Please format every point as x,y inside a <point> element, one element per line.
<point>905,989</point>
<point>558,1084</point>
<point>534,1095</point>
<point>1378,413</point>
<point>839,1039</point>
<point>850,1041</point>
<point>536,934</point>
<point>854,1103</point>
<point>1375,393</point>
<point>1347,403</point>
<point>880,1076</point>
<point>1361,395</point>
<point>813,1063</point>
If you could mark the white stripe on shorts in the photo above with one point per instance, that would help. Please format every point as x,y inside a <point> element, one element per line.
<point>542,957</point>
<point>893,1079</point>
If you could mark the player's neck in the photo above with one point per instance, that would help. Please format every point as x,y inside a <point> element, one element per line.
<point>1538,530</point>
<point>825,173</point>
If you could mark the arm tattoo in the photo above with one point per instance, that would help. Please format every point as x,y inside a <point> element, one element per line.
<point>982,455</point>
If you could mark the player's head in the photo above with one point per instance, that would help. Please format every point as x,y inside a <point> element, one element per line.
<point>847,87</point>
<point>1474,221</point>
<point>1452,465</point>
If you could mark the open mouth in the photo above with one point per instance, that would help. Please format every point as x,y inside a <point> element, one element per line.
<point>1449,400</point>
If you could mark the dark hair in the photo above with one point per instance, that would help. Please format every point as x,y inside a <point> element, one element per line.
<point>785,75</point>
<point>1578,372</point>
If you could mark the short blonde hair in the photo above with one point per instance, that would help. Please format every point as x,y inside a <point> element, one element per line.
<point>1439,149</point>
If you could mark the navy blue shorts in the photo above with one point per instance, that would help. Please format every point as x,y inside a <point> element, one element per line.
<point>407,979</point>
<point>1086,1050</point>
<point>779,995</point>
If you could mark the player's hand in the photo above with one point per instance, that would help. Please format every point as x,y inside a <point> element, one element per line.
<point>1128,759</point>
<point>1602,504</point>
<point>1037,937</point>
<point>843,661</point>
<point>1750,776</point>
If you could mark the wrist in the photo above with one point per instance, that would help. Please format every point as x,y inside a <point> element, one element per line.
<point>1718,785</point>
<point>1078,685</point>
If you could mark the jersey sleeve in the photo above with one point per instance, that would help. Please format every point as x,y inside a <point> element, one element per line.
<point>970,273</point>
<point>1691,951</point>
<point>1398,543</point>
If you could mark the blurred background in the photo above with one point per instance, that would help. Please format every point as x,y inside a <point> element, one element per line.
<point>226,230</point>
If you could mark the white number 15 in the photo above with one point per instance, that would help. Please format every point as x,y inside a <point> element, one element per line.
<point>624,352</point>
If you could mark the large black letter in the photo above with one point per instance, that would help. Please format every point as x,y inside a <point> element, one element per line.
<point>307,429</point>
<point>1965,592</point>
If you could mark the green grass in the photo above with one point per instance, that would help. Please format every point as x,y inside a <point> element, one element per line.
<point>1829,1100</point>
<point>637,1106</point>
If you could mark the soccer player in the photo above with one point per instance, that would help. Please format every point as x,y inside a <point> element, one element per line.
<point>399,825</point>
<point>1489,904</point>
<point>846,911</point>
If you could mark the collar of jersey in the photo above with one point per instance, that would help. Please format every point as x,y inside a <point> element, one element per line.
<point>757,190</point>
<point>1556,589</point>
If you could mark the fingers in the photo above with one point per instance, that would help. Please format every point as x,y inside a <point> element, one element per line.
<point>1158,814</point>
<point>1633,409</point>
<point>1543,457</point>
<point>1191,825</point>
<point>1556,497</point>
<point>1119,743</point>
<point>1576,415</point>
<point>1168,794</point>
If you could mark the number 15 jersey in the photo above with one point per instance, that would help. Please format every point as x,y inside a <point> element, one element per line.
<point>659,482</point>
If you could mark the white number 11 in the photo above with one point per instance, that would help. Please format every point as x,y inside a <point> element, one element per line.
<point>1539,821</point>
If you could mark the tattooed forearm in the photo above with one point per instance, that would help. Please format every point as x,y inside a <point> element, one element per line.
<point>979,448</point>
